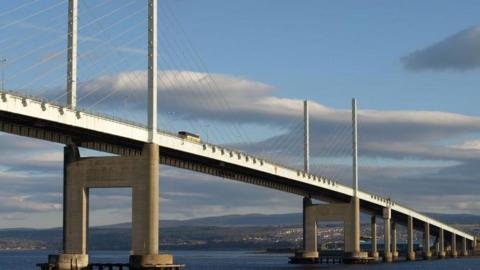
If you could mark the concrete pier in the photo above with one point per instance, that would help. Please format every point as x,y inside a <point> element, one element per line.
<point>427,254</point>
<point>309,254</point>
<point>387,257</point>
<point>441,244</point>
<point>454,246</point>
<point>394,242</point>
<point>410,233</point>
<point>310,229</point>
<point>373,232</point>
<point>74,255</point>
<point>141,173</point>
<point>351,220</point>
<point>312,213</point>
<point>464,247</point>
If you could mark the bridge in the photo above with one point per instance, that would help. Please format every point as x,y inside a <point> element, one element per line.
<point>138,150</point>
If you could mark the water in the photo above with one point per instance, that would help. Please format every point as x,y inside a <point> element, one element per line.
<point>234,260</point>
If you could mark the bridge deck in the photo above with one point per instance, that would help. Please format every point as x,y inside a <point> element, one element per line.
<point>36,118</point>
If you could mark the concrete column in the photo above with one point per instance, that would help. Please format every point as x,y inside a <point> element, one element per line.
<point>373,224</point>
<point>70,154</point>
<point>75,218</point>
<point>410,232</point>
<point>427,254</point>
<point>309,254</point>
<point>387,257</point>
<point>464,247</point>
<point>141,173</point>
<point>441,244</point>
<point>352,225</point>
<point>309,231</point>
<point>454,245</point>
<point>145,193</point>
<point>394,241</point>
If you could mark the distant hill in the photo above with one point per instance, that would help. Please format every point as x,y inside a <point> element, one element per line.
<point>266,220</point>
<point>281,219</point>
<point>232,231</point>
<point>455,218</point>
<point>229,220</point>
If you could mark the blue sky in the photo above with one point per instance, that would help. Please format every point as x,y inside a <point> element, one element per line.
<point>236,72</point>
<point>333,50</point>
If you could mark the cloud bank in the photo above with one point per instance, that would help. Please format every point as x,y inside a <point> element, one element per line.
<point>426,150</point>
<point>458,52</point>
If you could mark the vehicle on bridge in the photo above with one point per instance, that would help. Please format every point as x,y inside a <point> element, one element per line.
<point>189,136</point>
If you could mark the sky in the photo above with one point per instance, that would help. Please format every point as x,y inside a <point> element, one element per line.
<point>236,72</point>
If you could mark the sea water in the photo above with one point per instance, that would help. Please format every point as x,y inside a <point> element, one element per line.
<point>234,260</point>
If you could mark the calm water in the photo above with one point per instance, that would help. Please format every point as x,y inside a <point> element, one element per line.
<point>235,260</point>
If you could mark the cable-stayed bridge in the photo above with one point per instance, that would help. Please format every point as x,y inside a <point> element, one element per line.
<point>139,150</point>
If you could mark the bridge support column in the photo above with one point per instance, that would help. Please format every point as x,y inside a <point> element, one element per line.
<point>441,244</point>
<point>145,212</point>
<point>326,212</point>
<point>309,254</point>
<point>353,254</point>
<point>427,254</point>
<point>309,232</point>
<point>374,251</point>
<point>394,241</point>
<point>410,233</point>
<point>141,173</point>
<point>75,200</point>
<point>464,247</point>
<point>387,257</point>
<point>454,246</point>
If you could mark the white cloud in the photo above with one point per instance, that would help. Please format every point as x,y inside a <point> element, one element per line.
<point>393,134</point>
<point>468,145</point>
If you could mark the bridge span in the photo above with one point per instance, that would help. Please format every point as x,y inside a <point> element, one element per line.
<point>36,118</point>
<point>140,149</point>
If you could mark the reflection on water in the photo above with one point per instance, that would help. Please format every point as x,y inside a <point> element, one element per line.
<point>233,260</point>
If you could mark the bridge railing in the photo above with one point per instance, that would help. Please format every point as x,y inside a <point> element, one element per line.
<point>77,108</point>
